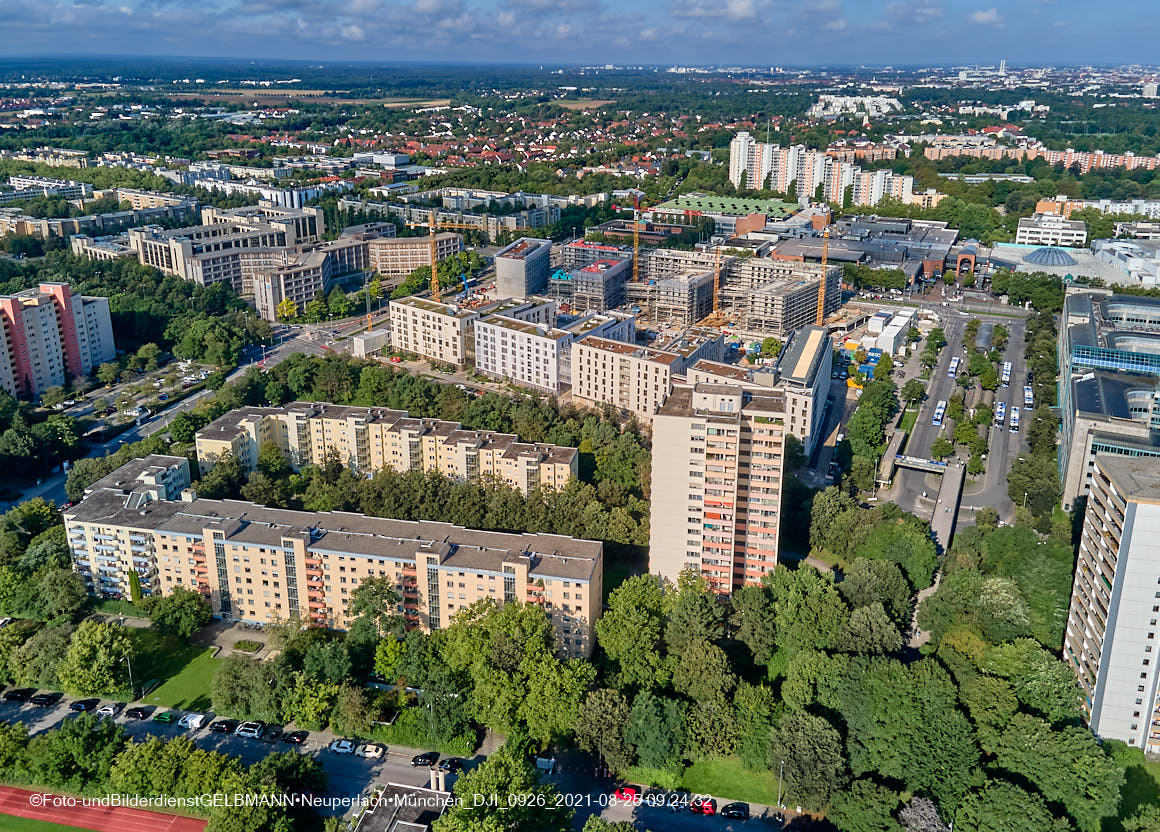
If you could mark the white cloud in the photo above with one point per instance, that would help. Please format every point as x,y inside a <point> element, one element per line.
<point>837,25</point>
<point>352,32</point>
<point>986,17</point>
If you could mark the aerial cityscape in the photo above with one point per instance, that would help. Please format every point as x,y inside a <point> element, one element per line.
<point>455,416</point>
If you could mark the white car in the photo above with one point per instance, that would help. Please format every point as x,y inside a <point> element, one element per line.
<point>191,721</point>
<point>253,730</point>
<point>110,710</point>
<point>371,751</point>
<point>342,747</point>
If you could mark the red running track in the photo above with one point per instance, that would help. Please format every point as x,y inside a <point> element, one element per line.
<point>97,818</point>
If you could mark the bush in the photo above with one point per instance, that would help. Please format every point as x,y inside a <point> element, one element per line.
<point>410,730</point>
<point>247,646</point>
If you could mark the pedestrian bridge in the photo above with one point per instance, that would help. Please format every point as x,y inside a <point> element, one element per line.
<point>919,463</point>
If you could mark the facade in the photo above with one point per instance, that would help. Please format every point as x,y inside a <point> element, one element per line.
<point>366,344</point>
<point>634,379</point>
<point>436,331</point>
<point>716,489</point>
<point>399,256</point>
<point>521,269</point>
<point>52,336</point>
<point>265,565</point>
<point>1112,622</point>
<point>1050,230</point>
<point>371,439</point>
<point>302,276</point>
<point>538,355</point>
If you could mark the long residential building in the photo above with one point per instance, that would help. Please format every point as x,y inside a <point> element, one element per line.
<point>52,336</point>
<point>372,439</point>
<point>716,487</point>
<point>1111,637</point>
<point>436,331</point>
<point>264,565</point>
<point>399,256</point>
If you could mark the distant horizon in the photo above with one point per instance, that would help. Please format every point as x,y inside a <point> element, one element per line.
<point>654,33</point>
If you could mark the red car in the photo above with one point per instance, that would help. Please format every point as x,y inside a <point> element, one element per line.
<point>395,359</point>
<point>628,794</point>
<point>703,806</point>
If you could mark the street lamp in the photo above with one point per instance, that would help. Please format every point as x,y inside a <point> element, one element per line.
<point>780,771</point>
<point>132,687</point>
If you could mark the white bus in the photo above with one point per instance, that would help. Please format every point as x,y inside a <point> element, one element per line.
<point>1028,400</point>
<point>954,368</point>
<point>1014,420</point>
<point>940,410</point>
<point>1006,378</point>
<point>1000,413</point>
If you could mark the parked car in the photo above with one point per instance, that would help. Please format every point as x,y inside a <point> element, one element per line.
<point>342,747</point>
<point>253,730</point>
<point>629,794</point>
<point>138,713</point>
<point>427,758</point>
<point>45,700</point>
<point>736,811</point>
<point>451,765</point>
<point>111,710</point>
<point>191,721</point>
<point>294,737</point>
<point>370,751</point>
<point>703,806</point>
<point>677,801</point>
<point>224,726</point>
<point>165,717</point>
<point>19,695</point>
<point>82,705</point>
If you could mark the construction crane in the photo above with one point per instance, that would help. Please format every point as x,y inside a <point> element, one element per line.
<point>822,282</point>
<point>636,238</point>
<point>435,224</point>
<point>717,282</point>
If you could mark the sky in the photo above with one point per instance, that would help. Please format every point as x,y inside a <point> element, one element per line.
<point>687,32</point>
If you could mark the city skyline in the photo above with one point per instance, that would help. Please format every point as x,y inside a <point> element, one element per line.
<point>738,32</point>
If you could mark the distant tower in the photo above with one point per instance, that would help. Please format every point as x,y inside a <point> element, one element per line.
<point>1003,68</point>
<point>1151,89</point>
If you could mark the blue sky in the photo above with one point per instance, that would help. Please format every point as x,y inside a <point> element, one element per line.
<point>757,32</point>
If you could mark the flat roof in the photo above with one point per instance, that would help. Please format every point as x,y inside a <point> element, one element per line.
<point>450,310</point>
<point>1135,478</point>
<point>739,206</point>
<point>523,248</point>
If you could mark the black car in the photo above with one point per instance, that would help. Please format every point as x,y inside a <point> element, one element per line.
<point>82,705</point>
<point>737,811</point>
<point>427,758</point>
<point>294,737</point>
<point>19,695</point>
<point>45,700</point>
<point>451,765</point>
<point>224,726</point>
<point>138,713</point>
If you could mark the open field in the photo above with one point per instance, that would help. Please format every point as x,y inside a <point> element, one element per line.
<point>585,103</point>
<point>323,96</point>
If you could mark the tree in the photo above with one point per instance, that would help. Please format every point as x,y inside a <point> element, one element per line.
<point>867,582</point>
<point>630,634</point>
<point>77,755</point>
<point>184,426</point>
<point>941,447</point>
<point>338,303</point>
<point>1033,480</point>
<point>374,607</point>
<point>770,347</point>
<point>107,374</point>
<point>287,310</point>
<point>59,592</point>
<point>555,691</point>
<point>811,751</point>
<point>503,793</point>
<point>921,815</point>
<point>809,614</point>
<point>1000,806</point>
<point>36,661</point>
<point>702,672</point>
<point>865,807</point>
<point>753,620</point>
<point>694,612</point>
<point>656,728</point>
<point>913,392</point>
<point>600,725</point>
<point>95,662</point>
<point>309,702</point>
<point>1146,819</point>
<point>181,613</point>
<point>871,631</point>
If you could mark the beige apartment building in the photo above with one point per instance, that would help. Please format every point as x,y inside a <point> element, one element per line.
<point>399,256</point>
<point>716,488</point>
<point>370,439</point>
<point>436,331</point>
<point>265,565</point>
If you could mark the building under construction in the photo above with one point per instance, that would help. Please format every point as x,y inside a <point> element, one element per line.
<point>683,299</point>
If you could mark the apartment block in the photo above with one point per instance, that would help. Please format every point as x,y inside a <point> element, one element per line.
<point>716,488</point>
<point>1050,230</point>
<point>637,379</point>
<point>263,565</point>
<point>436,331</point>
<point>521,269</point>
<point>1110,640</point>
<point>399,256</point>
<point>52,336</point>
<point>372,439</point>
<point>301,276</point>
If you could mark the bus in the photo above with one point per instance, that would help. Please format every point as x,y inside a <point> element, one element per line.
<point>1028,400</point>
<point>1000,414</point>
<point>1006,377</point>
<point>954,368</point>
<point>939,410</point>
<point>1014,420</point>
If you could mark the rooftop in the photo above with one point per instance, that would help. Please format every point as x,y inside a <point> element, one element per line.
<point>523,248</point>
<point>1135,478</point>
<point>450,310</point>
<point>736,206</point>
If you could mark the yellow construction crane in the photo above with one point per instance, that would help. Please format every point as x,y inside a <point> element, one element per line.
<point>636,240</point>
<point>434,223</point>
<point>822,282</point>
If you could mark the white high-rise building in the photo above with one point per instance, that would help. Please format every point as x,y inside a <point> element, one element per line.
<point>1151,89</point>
<point>1114,621</point>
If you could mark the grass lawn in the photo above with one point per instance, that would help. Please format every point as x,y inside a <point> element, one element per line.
<point>1141,784</point>
<point>118,606</point>
<point>184,670</point>
<point>10,823</point>
<point>909,417</point>
<point>723,777</point>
